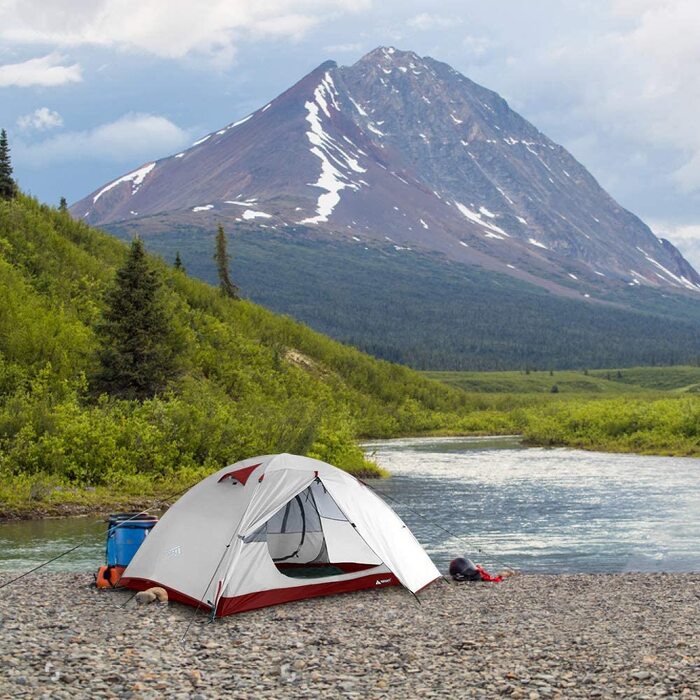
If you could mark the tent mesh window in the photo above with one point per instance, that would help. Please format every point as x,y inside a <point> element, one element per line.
<point>296,537</point>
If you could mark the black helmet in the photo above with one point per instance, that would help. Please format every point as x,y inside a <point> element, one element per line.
<point>462,569</point>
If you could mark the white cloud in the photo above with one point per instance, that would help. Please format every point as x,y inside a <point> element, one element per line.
<point>343,48</point>
<point>130,138</point>
<point>41,119</point>
<point>634,81</point>
<point>47,71</point>
<point>477,45</point>
<point>425,21</point>
<point>166,28</point>
<point>685,237</point>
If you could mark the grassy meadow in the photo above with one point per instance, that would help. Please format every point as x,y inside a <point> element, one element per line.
<point>648,410</point>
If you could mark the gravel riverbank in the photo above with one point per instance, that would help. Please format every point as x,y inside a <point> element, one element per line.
<point>607,636</point>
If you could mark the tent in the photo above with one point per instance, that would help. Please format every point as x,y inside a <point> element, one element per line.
<point>274,529</point>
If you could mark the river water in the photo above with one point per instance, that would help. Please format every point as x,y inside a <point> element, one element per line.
<point>539,510</point>
<point>544,510</point>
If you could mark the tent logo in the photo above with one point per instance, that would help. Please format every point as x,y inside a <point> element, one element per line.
<point>175,551</point>
<point>381,581</point>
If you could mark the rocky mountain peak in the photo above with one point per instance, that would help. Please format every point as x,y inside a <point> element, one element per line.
<point>402,149</point>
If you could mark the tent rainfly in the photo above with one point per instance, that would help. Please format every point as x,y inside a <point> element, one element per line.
<point>274,529</point>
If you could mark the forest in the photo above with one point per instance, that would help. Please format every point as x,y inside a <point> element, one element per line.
<point>431,314</point>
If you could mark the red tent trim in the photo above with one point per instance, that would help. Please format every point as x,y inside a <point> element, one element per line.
<point>240,475</point>
<point>261,599</point>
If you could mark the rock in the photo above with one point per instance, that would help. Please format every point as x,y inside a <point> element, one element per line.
<point>144,597</point>
<point>462,641</point>
<point>160,593</point>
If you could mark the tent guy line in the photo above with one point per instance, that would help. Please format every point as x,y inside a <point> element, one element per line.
<point>88,538</point>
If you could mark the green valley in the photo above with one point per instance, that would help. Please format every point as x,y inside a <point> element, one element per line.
<point>249,382</point>
<point>652,410</point>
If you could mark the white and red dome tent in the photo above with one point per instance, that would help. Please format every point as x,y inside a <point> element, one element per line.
<point>274,529</point>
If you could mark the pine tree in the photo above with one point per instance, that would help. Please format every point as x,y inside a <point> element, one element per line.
<point>63,205</point>
<point>221,256</point>
<point>178,262</point>
<point>137,356</point>
<point>8,188</point>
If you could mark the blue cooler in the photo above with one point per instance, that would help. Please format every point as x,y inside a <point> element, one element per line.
<point>125,533</point>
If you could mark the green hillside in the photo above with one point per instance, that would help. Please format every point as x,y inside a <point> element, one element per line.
<point>431,314</point>
<point>250,382</point>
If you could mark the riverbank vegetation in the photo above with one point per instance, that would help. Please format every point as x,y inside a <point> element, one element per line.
<point>649,410</point>
<point>246,381</point>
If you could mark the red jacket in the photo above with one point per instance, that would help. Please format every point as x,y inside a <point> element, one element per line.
<point>486,576</point>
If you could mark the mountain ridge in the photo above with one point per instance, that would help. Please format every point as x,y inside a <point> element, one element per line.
<point>405,149</point>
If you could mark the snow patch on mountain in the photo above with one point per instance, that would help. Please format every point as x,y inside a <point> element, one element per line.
<point>239,122</point>
<point>249,214</point>
<point>136,178</point>
<point>326,149</point>
<point>681,280</point>
<point>493,231</point>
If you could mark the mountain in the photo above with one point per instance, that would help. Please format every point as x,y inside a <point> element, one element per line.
<point>403,148</point>
<point>402,154</point>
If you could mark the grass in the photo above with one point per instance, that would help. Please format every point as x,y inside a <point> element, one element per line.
<point>645,410</point>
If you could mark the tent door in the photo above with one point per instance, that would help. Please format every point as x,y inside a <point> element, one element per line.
<point>309,537</point>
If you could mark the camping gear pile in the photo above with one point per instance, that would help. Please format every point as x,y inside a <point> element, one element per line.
<point>463,569</point>
<point>274,529</point>
<point>125,534</point>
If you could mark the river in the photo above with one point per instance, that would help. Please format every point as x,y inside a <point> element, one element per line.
<point>538,510</point>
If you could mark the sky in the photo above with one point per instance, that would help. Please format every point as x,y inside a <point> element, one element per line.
<point>90,89</point>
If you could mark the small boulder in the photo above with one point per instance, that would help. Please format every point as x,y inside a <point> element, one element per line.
<point>160,593</point>
<point>144,597</point>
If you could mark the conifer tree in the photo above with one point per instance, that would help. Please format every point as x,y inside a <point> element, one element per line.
<point>8,188</point>
<point>137,356</point>
<point>178,262</point>
<point>63,205</point>
<point>221,256</point>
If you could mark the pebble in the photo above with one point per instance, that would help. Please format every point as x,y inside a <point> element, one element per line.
<point>531,637</point>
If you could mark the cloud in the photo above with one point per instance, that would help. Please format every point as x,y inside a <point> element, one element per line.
<point>477,45</point>
<point>132,137</point>
<point>685,237</point>
<point>635,80</point>
<point>166,28</point>
<point>47,71</point>
<point>425,21</point>
<point>41,119</point>
<point>343,48</point>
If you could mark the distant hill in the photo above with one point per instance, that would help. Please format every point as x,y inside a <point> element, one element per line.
<point>400,164</point>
